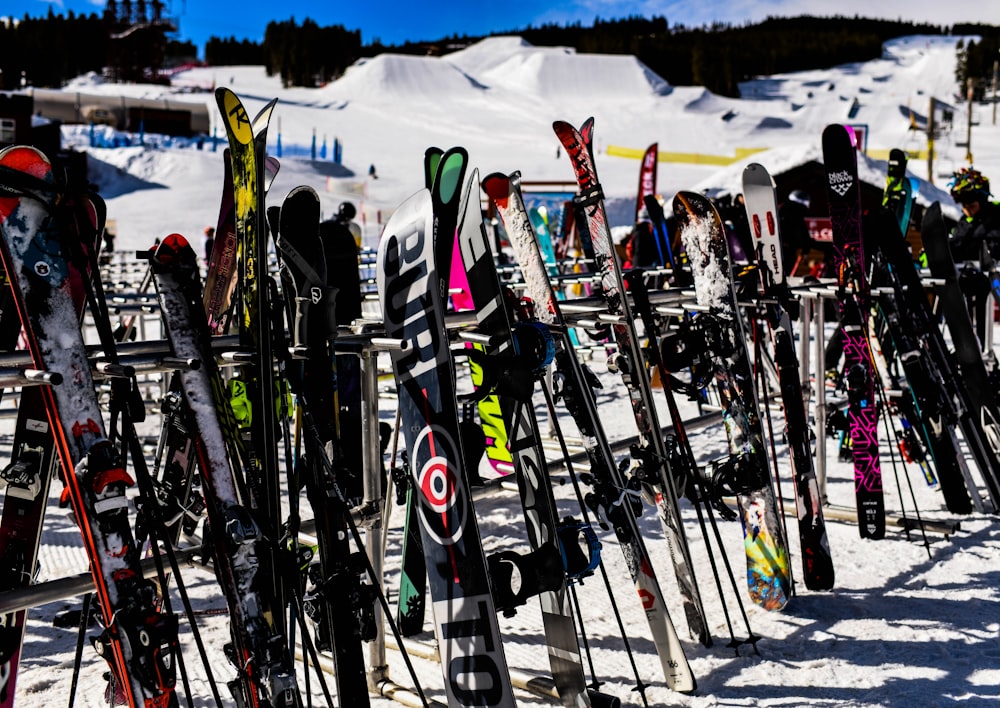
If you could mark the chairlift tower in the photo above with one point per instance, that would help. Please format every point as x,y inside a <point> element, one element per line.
<point>137,30</point>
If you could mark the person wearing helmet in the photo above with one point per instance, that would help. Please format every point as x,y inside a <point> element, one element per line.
<point>795,239</point>
<point>977,235</point>
<point>640,245</point>
<point>209,244</point>
<point>345,216</point>
<point>346,212</point>
<point>975,240</point>
<point>341,250</point>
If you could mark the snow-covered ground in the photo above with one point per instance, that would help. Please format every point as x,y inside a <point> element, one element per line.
<point>905,625</point>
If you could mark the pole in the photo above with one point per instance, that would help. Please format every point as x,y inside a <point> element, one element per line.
<point>930,143</point>
<point>996,70</point>
<point>378,671</point>
<point>968,121</point>
<point>820,412</point>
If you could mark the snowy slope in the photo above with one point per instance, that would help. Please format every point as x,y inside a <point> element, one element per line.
<point>499,97</point>
<point>905,626</point>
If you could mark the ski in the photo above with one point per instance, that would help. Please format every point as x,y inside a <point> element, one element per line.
<point>630,362</point>
<point>611,493</point>
<point>339,603</point>
<point>747,472</point>
<point>246,147</point>
<point>984,432</point>
<point>678,277</point>
<point>840,158</point>
<point>259,651</point>
<point>138,641</point>
<point>938,393</point>
<point>220,282</point>
<point>410,293</point>
<point>511,372</point>
<point>32,464</point>
<point>762,213</point>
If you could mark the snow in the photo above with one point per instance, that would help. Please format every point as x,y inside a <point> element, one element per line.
<point>905,624</point>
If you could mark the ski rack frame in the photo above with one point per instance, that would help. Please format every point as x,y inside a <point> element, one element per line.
<point>365,338</point>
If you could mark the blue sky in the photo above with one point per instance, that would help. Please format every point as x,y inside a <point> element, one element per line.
<point>395,21</point>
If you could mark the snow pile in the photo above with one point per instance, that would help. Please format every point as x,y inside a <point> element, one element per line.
<point>394,77</point>
<point>712,284</point>
<point>565,75</point>
<point>487,54</point>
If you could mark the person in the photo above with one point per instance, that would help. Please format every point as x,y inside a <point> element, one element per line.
<point>795,238</point>
<point>975,241</point>
<point>640,244</point>
<point>341,250</point>
<point>733,212</point>
<point>977,235</point>
<point>109,245</point>
<point>209,244</point>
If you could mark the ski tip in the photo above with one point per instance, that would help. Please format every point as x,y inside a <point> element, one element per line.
<point>756,174</point>
<point>450,175</point>
<point>174,248</point>
<point>27,159</point>
<point>497,186</point>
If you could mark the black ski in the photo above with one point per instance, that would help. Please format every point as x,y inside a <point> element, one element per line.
<point>472,657</point>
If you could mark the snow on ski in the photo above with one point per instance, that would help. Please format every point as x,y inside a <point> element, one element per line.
<point>138,641</point>
<point>748,470</point>
<point>260,652</point>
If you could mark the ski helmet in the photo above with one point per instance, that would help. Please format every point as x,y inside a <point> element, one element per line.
<point>346,211</point>
<point>969,185</point>
<point>800,197</point>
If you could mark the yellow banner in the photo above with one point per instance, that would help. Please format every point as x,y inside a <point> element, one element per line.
<point>691,158</point>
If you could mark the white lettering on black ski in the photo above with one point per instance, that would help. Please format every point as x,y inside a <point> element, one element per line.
<point>534,484</point>
<point>840,160</point>
<point>472,659</point>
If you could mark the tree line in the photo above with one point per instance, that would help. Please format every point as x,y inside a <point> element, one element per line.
<point>719,56</point>
<point>977,59</point>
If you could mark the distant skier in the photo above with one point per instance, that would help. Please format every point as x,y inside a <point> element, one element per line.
<point>640,244</point>
<point>209,244</point>
<point>975,240</point>
<point>109,245</point>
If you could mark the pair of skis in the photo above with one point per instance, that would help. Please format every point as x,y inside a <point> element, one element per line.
<point>139,641</point>
<point>611,495</point>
